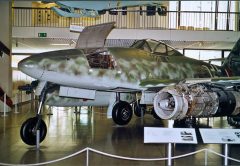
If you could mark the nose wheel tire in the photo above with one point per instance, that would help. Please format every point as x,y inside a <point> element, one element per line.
<point>122,113</point>
<point>28,132</point>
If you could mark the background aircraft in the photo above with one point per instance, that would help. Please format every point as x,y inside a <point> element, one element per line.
<point>96,8</point>
<point>178,87</point>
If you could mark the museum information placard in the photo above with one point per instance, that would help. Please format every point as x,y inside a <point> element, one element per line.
<point>220,136</point>
<point>169,135</point>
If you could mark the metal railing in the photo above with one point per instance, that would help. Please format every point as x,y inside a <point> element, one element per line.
<point>137,19</point>
<point>88,150</point>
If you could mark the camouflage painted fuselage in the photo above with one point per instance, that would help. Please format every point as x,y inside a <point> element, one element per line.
<point>128,68</point>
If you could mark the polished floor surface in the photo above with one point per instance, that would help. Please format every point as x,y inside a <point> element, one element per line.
<point>69,132</point>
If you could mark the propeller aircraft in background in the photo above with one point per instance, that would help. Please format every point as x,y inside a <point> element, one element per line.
<point>97,8</point>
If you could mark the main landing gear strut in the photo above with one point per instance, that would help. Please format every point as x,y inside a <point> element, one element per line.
<point>139,109</point>
<point>122,111</point>
<point>30,126</point>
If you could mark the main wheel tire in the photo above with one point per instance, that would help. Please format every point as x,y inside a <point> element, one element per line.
<point>234,121</point>
<point>122,113</point>
<point>139,109</point>
<point>154,114</point>
<point>27,132</point>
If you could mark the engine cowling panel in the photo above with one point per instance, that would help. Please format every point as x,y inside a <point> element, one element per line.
<point>197,100</point>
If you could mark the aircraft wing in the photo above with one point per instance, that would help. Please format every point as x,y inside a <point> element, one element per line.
<point>94,36</point>
<point>91,8</point>
<point>70,13</point>
<point>103,5</point>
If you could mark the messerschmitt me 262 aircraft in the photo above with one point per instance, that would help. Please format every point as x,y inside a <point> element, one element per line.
<point>147,73</point>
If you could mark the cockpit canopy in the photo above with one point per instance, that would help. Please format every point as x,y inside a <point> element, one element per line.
<point>155,47</point>
<point>104,60</point>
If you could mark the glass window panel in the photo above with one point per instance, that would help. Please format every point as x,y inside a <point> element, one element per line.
<point>232,16</point>
<point>198,20</point>
<point>204,55</point>
<point>161,48</point>
<point>173,52</point>
<point>226,53</point>
<point>222,17</point>
<point>198,6</point>
<point>173,6</point>
<point>142,44</point>
<point>137,44</point>
<point>222,6</point>
<point>152,44</point>
<point>206,19</point>
<point>145,47</point>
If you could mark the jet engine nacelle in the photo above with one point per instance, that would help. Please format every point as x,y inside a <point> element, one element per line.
<point>197,100</point>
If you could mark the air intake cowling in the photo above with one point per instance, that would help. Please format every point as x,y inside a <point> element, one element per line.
<point>196,100</point>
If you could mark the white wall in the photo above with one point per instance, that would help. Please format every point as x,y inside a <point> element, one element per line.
<point>181,35</point>
<point>5,37</point>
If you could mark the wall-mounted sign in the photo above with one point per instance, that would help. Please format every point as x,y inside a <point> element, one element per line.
<point>42,34</point>
<point>169,135</point>
<point>220,136</point>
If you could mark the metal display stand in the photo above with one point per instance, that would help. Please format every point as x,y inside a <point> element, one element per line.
<point>170,136</point>
<point>226,154</point>
<point>170,125</point>
<point>37,139</point>
<point>221,136</point>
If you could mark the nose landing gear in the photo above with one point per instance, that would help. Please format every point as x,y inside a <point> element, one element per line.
<point>30,126</point>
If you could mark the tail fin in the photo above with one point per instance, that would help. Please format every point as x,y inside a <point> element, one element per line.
<point>232,63</point>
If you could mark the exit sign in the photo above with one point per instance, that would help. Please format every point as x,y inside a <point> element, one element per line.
<point>42,34</point>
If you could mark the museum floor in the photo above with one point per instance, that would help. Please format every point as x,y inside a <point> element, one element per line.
<point>69,133</point>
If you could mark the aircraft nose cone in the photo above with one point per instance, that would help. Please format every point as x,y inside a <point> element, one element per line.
<point>30,67</point>
<point>46,65</point>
